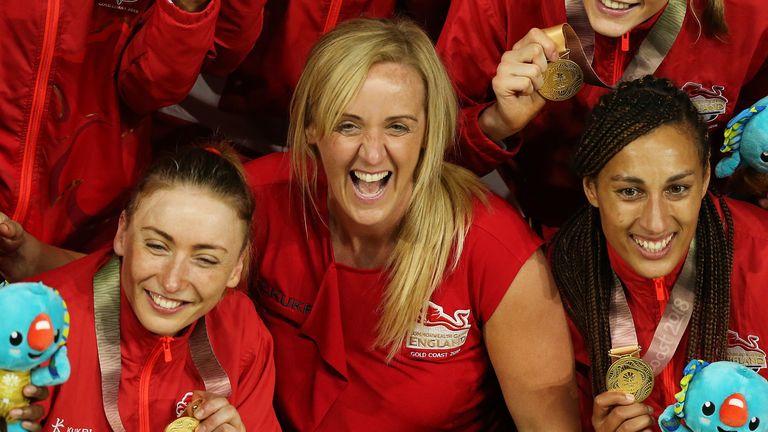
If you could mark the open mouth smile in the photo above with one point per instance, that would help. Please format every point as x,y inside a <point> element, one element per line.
<point>617,6</point>
<point>653,248</point>
<point>369,186</point>
<point>165,303</point>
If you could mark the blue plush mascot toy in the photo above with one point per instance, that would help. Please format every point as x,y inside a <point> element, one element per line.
<point>33,330</point>
<point>718,397</point>
<point>746,145</point>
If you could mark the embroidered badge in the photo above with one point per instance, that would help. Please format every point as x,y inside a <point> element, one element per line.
<point>709,102</point>
<point>745,352</point>
<point>438,334</point>
<point>181,405</point>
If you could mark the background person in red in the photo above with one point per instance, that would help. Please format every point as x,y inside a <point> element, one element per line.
<point>158,319</point>
<point>644,164</point>
<point>252,104</point>
<point>400,294</point>
<point>496,54</point>
<point>76,81</point>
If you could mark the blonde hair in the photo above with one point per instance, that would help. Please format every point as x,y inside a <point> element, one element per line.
<point>431,235</point>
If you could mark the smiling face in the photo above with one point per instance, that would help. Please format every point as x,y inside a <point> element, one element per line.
<point>181,249</point>
<point>613,18</point>
<point>649,195</point>
<point>371,155</point>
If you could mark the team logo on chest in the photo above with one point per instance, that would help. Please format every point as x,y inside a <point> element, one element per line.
<point>709,102</point>
<point>121,5</point>
<point>439,332</point>
<point>745,352</point>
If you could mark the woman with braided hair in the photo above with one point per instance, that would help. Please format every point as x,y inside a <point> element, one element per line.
<point>654,249</point>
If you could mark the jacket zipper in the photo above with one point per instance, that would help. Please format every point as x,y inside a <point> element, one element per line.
<point>36,114</point>
<point>668,382</point>
<point>618,64</point>
<point>164,346</point>
<point>333,16</point>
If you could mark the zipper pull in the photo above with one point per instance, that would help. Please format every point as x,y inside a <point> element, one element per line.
<point>166,341</point>
<point>661,293</point>
<point>625,42</point>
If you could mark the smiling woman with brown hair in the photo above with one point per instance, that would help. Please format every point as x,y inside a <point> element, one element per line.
<point>654,242</point>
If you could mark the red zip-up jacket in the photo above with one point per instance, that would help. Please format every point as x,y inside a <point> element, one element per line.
<point>252,104</point>
<point>75,79</point>
<point>748,329</point>
<point>719,75</point>
<point>157,374</point>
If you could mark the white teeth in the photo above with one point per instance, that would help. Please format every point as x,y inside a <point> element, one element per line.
<point>369,178</point>
<point>653,246</point>
<point>614,5</point>
<point>164,302</point>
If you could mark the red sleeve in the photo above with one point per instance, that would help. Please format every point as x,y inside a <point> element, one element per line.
<point>237,29</point>
<point>162,61</point>
<point>498,245</point>
<point>256,384</point>
<point>471,45</point>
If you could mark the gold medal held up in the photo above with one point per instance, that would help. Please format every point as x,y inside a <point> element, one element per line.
<point>187,422</point>
<point>631,375</point>
<point>563,77</point>
<point>562,80</point>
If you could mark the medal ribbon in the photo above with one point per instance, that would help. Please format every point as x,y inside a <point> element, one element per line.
<point>673,322</point>
<point>106,303</point>
<point>579,40</point>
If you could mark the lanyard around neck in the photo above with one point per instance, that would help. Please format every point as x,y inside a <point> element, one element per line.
<point>673,322</point>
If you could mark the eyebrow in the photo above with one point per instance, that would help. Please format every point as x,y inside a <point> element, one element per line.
<point>169,238</point>
<point>636,180</point>
<point>390,118</point>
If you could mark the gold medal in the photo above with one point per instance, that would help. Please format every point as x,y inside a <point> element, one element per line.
<point>183,424</point>
<point>630,375</point>
<point>186,423</point>
<point>562,80</point>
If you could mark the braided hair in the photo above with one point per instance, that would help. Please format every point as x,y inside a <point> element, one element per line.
<point>580,261</point>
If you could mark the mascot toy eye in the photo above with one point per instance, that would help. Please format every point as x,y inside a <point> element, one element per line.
<point>33,334</point>
<point>718,397</point>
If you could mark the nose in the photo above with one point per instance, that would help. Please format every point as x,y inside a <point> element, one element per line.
<point>734,412</point>
<point>372,149</point>
<point>174,275</point>
<point>40,335</point>
<point>653,214</point>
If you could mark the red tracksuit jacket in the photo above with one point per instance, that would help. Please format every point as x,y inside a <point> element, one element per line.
<point>156,379</point>
<point>748,329</point>
<point>75,78</point>
<point>719,75</point>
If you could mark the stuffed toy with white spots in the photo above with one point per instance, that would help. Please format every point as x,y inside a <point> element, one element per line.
<point>33,333</point>
<point>718,397</point>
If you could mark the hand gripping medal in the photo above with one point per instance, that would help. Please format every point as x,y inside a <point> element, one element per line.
<point>630,374</point>
<point>187,422</point>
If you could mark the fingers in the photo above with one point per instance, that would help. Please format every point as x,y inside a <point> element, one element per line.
<point>34,393</point>
<point>537,36</point>
<point>217,414</point>
<point>616,411</point>
<point>29,416</point>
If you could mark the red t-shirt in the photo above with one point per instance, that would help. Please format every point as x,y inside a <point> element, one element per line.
<point>323,318</point>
